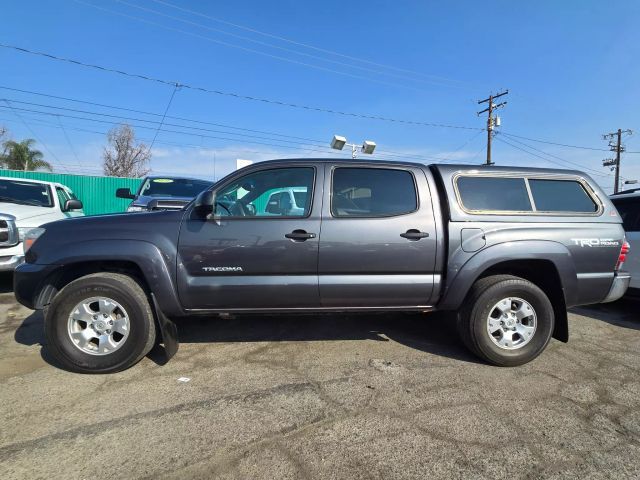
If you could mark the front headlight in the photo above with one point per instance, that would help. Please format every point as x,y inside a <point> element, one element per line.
<point>28,236</point>
<point>135,209</point>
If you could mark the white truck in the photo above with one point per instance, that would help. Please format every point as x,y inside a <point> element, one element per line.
<point>26,204</point>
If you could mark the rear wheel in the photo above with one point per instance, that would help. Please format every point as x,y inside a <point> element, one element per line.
<point>506,320</point>
<point>100,323</point>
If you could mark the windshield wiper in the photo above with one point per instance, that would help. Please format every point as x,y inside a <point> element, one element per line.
<point>20,202</point>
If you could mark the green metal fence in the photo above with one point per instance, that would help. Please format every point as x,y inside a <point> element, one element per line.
<point>98,194</point>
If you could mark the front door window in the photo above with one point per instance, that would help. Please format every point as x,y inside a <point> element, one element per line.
<point>268,193</point>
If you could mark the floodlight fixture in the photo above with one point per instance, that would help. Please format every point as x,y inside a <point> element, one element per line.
<point>368,147</point>
<point>339,142</point>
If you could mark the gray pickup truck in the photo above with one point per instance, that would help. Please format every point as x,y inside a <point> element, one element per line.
<point>507,249</point>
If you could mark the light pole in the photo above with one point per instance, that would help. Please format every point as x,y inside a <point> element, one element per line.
<point>338,143</point>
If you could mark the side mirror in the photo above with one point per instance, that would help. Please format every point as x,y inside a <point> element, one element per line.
<point>72,204</point>
<point>204,203</point>
<point>125,193</point>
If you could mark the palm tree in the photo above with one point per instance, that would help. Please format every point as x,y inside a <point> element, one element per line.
<point>20,156</point>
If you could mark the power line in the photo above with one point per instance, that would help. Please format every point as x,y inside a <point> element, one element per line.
<point>40,112</point>
<point>559,144</point>
<point>389,154</point>
<point>251,50</point>
<point>569,162</point>
<point>538,156</point>
<point>102,133</point>
<point>164,115</point>
<point>305,45</point>
<point>267,44</point>
<point>124,109</point>
<point>73,150</point>
<point>243,151</point>
<point>232,94</point>
<point>471,139</point>
<point>137,119</point>
<point>188,133</point>
<point>31,130</point>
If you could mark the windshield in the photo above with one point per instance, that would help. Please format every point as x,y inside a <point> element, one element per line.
<point>173,187</point>
<point>25,193</point>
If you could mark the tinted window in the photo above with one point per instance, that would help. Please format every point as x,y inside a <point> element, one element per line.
<point>25,193</point>
<point>494,194</point>
<point>372,192</point>
<point>561,196</point>
<point>267,193</point>
<point>629,209</point>
<point>173,187</point>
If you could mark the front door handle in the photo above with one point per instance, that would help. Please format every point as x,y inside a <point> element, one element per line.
<point>413,234</point>
<point>300,235</point>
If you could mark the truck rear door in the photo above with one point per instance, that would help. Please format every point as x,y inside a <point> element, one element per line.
<point>378,241</point>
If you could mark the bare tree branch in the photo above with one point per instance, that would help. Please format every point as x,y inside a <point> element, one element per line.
<point>124,156</point>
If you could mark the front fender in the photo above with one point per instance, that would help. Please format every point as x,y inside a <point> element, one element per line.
<point>461,278</point>
<point>154,265</point>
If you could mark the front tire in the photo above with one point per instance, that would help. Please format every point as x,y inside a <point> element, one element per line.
<point>506,320</point>
<point>100,323</point>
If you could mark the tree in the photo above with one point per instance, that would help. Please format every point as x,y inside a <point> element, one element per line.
<point>20,156</point>
<point>125,156</point>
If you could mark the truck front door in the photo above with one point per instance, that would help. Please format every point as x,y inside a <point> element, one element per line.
<point>378,246</point>
<point>247,256</point>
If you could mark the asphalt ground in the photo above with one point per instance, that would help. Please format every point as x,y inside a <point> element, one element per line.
<point>326,396</point>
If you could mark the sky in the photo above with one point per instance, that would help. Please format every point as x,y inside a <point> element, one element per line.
<point>418,67</point>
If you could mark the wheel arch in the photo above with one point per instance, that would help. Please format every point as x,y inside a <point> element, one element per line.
<point>546,264</point>
<point>141,260</point>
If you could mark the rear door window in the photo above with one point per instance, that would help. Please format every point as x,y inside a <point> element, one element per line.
<point>629,210</point>
<point>372,192</point>
<point>561,196</point>
<point>494,194</point>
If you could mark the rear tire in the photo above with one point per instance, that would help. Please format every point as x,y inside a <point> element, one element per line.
<point>506,320</point>
<point>100,323</point>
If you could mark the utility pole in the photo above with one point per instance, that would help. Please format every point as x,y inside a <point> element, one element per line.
<point>615,144</point>
<point>491,120</point>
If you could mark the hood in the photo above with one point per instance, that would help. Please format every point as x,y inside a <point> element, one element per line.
<point>25,212</point>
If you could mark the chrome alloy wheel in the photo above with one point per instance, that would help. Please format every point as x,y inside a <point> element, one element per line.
<point>98,325</point>
<point>511,323</point>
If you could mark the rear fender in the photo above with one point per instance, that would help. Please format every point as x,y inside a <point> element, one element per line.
<point>460,280</point>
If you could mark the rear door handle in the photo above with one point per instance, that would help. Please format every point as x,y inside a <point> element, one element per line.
<point>300,235</point>
<point>413,234</point>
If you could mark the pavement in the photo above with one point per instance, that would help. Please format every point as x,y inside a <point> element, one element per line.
<point>326,396</point>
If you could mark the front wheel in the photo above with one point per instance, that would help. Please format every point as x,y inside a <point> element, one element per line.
<point>100,323</point>
<point>506,320</point>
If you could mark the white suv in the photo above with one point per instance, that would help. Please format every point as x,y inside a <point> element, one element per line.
<point>25,205</point>
<point>628,205</point>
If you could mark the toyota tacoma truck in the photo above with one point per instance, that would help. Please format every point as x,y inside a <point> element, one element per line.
<point>507,249</point>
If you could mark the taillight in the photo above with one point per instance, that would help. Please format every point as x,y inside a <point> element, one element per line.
<point>623,254</point>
